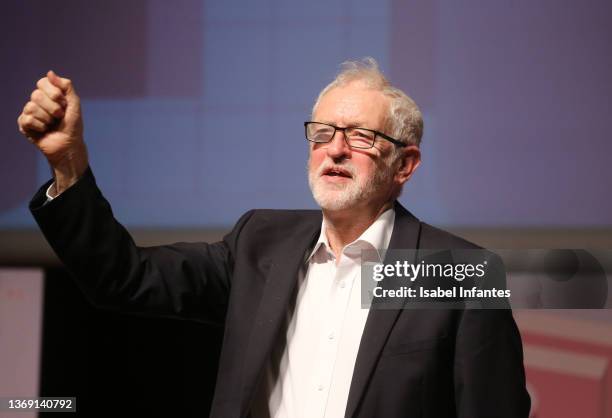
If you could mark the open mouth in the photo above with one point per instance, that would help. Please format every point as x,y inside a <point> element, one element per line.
<point>337,172</point>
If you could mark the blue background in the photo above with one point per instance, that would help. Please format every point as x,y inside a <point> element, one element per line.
<point>194,109</point>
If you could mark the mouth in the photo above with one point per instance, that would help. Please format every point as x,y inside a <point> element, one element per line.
<point>336,172</point>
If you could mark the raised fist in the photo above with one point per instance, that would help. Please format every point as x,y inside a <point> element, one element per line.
<point>52,121</point>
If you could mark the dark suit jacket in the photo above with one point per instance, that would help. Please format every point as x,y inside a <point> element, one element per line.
<point>411,363</point>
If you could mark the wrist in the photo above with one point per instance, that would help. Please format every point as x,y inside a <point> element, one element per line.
<point>68,171</point>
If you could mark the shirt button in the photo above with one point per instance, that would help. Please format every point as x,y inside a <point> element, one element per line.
<point>342,284</point>
<point>320,388</point>
<point>331,336</point>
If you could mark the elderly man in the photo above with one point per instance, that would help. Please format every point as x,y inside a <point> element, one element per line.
<point>285,284</point>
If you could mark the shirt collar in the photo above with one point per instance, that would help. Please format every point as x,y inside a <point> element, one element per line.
<point>377,236</point>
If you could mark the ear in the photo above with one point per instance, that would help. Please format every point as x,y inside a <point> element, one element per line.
<point>409,161</point>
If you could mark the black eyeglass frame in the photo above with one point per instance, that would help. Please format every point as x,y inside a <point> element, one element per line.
<point>336,128</point>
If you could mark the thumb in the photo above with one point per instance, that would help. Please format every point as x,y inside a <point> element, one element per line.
<point>64,84</point>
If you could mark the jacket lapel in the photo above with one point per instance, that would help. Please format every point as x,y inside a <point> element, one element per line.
<point>275,302</point>
<point>405,235</point>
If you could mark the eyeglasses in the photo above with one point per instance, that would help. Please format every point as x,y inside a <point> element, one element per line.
<point>359,138</point>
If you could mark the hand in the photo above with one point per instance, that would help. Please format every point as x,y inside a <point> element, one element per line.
<point>52,121</point>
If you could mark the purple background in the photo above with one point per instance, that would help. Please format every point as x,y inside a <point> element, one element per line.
<point>193,109</point>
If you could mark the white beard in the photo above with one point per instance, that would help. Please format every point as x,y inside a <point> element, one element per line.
<point>333,197</point>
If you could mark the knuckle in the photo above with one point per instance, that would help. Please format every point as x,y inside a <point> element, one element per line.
<point>36,95</point>
<point>29,108</point>
<point>32,122</point>
<point>40,82</point>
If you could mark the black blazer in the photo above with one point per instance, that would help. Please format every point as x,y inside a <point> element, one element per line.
<point>411,363</point>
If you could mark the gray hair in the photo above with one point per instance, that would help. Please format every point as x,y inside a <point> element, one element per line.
<point>404,121</point>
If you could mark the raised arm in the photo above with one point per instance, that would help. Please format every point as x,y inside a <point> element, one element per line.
<point>187,280</point>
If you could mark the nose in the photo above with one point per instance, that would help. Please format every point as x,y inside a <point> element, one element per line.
<point>338,146</point>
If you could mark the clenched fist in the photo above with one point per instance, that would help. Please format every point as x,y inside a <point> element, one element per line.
<point>52,121</point>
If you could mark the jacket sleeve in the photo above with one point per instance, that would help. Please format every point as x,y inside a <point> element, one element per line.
<point>489,371</point>
<point>186,280</point>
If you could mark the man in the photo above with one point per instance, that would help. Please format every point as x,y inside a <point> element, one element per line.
<point>285,284</point>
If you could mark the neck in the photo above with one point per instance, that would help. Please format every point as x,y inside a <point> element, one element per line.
<point>344,226</point>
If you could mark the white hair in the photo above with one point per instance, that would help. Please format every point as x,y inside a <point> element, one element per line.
<point>404,120</point>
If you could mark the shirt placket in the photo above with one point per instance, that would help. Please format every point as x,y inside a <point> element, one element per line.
<point>336,306</point>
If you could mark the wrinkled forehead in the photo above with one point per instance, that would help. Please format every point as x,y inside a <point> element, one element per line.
<point>353,104</point>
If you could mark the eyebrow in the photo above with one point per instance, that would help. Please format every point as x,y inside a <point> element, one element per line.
<point>358,124</point>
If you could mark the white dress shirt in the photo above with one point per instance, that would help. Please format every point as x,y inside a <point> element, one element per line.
<point>310,376</point>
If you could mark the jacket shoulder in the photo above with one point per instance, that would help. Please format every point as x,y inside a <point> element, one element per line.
<point>288,217</point>
<point>275,225</point>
